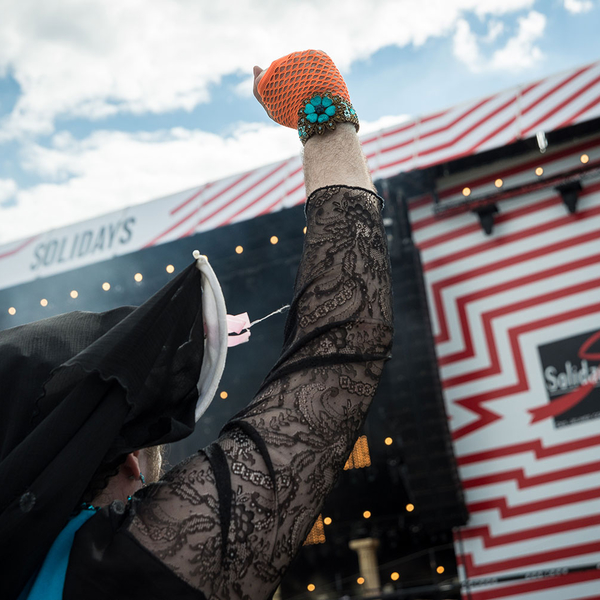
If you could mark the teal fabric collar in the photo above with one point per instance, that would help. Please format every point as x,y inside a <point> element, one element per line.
<point>48,584</point>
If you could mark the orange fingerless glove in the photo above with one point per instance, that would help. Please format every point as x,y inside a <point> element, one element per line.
<point>305,90</point>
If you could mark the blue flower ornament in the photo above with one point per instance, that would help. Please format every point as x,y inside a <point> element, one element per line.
<point>322,112</point>
<point>319,109</point>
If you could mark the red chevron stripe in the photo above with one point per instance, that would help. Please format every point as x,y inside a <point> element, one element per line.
<point>187,217</point>
<point>258,199</point>
<point>464,134</point>
<point>495,368</point>
<point>555,199</point>
<point>192,197</point>
<point>523,481</point>
<point>494,541</point>
<point>507,512</point>
<point>443,146</point>
<point>233,184</point>
<point>462,302</point>
<point>207,201</point>
<point>20,247</point>
<point>420,201</point>
<point>536,446</point>
<point>271,207</point>
<point>527,560</point>
<point>517,213</point>
<point>513,237</point>
<point>574,118</point>
<point>536,585</point>
<point>401,128</point>
<point>556,88</point>
<point>272,172</point>
<point>475,403</point>
<point>560,106</point>
<point>438,287</point>
<point>422,164</point>
<point>442,129</point>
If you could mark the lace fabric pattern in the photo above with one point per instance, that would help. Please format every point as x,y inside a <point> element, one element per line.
<point>230,519</point>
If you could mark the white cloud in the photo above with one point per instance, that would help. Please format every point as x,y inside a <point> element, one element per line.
<point>466,47</point>
<point>8,187</point>
<point>97,58</point>
<point>245,88</point>
<point>367,127</point>
<point>111,170</point>
<point>495,29</point>
<point>519,52</point>
<point>578,6</point>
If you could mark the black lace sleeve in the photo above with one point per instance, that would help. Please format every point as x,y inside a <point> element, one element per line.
<point>230,519</point>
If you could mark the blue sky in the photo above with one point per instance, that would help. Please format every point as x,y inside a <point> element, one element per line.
<point>109,103</point>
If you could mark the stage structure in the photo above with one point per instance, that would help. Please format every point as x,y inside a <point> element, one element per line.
<point>482,450</point>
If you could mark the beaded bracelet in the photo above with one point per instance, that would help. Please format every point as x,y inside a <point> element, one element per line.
<point>323,112</point>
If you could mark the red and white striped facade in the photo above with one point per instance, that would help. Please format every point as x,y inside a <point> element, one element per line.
<point>532,489</point>
<point>557,101</point>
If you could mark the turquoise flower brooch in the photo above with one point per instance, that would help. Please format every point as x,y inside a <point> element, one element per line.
<point>322,112</point>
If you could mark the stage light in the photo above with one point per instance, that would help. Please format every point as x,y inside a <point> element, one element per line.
<point>410,507</point>
<point>360,580</point>
<point>327,520</point>
<point>310,587</point>
<point>106,286</point>
<point>74,294</point>
<point>170,268</point>
<point>44,302</point>
<point>584,159</point>
<point>367,514</point>
<point>466,191</point>
<point>440,569</point>
<point>539,171</point>
<point>389,441</point>
<point>304,231</point>
<point>239,249</point>
<point>138,277</point>
<point>570,194</point>
<point>395,576</point>
<point>12,310</point>
<point>274,239</point>
<point>498,183</point>
<point>223,395</point>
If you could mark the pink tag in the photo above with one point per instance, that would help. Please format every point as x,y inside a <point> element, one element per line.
<point>236,340</point>
<point>237,324</point>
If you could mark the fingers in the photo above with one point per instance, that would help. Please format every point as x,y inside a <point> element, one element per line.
<point>258,73</point>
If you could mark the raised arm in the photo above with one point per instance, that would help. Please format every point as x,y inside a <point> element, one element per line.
<point>230,519</point>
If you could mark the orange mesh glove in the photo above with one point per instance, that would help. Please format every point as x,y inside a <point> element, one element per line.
<point>302,78</point>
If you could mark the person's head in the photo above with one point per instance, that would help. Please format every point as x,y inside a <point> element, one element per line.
<point>121,479</point>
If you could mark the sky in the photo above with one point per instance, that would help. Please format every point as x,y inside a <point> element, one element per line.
<point>109,103</point>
